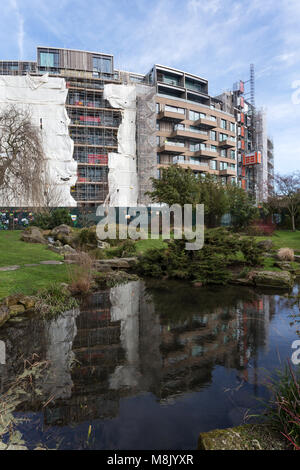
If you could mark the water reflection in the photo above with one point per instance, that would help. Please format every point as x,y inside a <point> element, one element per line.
<point>165,339</point>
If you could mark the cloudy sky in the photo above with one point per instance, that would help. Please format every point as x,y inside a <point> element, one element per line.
<point>217,39</point>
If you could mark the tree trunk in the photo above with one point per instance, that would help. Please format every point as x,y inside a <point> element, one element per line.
<point>293,223</point>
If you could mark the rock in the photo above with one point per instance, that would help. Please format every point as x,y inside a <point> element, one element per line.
<point>266,245</point>
<point>9,268</point>
<point>33,235</point>
<point>15,310</point>
<point>280,280</point>
<point>4,314</point>
<point>247,437</point>
<point>61,229</point>
<point>103,245</point>
<point>284,265</point>
<point>117,263</point>
<point>28,302</point>
<point>51,262</point>
<point>73,256</point>
<point>68,249</point>
<point>58,243</point>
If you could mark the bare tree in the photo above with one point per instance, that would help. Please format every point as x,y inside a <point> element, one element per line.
<point>21,158</point>
<point>287,194</point>
<point>53,195</point>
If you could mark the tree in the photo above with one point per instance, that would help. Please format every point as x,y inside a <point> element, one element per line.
<point>176,186</point>
<point>241,207</point>
<point>287,194</point>
<point>21,159</point>
<point>180,186</point>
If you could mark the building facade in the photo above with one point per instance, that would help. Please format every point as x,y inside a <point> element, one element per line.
<point>176,122</point>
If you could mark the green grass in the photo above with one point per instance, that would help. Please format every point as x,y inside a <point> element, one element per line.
<point>27,279</point>
<point>284,239</point>
<point>15,251</point>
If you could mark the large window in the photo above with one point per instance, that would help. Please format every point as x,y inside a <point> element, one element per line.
<point>49,59</point>
<point>102,65</point>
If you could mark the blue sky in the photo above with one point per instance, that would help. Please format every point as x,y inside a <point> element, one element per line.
<point>216,39</point>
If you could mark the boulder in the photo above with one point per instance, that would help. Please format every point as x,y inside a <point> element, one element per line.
<point>61,229</point>
<point>115,263</point>
<point>246,437</point>
<point>68,249</point>
<point>15,310</point>
<point>33,235</point>
<point>103,245</point>
<point>279,280</point>
<point>266,245</point>
<point>4,314</point>
<point>70,256</point>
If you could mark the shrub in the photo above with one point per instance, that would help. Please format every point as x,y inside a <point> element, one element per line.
<point>87,238</point>
<point>50,220</point>
<point>286,254</point>
<point>126,248</point>
<point>54,300</point>
<point>284,411</point>
<point>81,274</point>
<point>252,251</point>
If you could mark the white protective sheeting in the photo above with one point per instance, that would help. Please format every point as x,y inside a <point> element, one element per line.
<point>122,176</point>
<point>45,97</point>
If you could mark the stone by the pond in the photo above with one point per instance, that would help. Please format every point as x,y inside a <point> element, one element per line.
<point>9,268</point>
<point>33,235</point>
<point>4,314</point>
<point>265,245</point>
<point>16,310</point>
<point>51,262</point>
<point>61,229</point>
<point>115,263</point>
<point>282,279</point>
<point>247,437</point>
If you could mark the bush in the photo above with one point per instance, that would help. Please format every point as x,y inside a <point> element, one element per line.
<point>286,254</point>
<point>54,300</point>
<point>126,248</point>
<point>252,251</point>
<point>284,412</point>
<point>50,220</point>
<point>87,238</point>
<point>81,274</point>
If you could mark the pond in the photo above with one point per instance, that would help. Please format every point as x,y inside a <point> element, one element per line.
<point>150,365</point>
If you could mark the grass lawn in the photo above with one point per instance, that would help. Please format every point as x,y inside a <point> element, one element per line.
<point>27,279</point>
<point>285,239</point>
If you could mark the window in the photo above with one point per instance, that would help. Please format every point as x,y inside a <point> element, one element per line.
<point>158,158</point>
<point>213,165</point>
<point>232,127</point>
<point>213,148</point>
<point>223,153</point>
<point>157,125</point>
<point>232,154</point>
<point>194,115</point>
<point>174,109</point>
<point>223,166</point>
<point>157,140</point>
<point>49,59</point>
<point>223,124</point>
<point>157,108</point>
<point>223,137</point>
<point>101,64</point>
<point>213,135</point>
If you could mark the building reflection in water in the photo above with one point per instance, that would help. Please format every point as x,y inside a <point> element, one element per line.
<point>164,338</point>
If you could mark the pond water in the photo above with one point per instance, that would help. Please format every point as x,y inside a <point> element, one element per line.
<point>150,365</point>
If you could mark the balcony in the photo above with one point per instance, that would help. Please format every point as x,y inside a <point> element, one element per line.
<point>201,136</point>
<point>228,172</point>
<point>171,116</point>
<point>207,123</point>
<point>228,143</point>
<point>172,147</point>
<point>207,153</point>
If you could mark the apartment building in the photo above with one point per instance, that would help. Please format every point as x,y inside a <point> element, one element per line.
<point>191,128</point>
<point>177,122</point>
